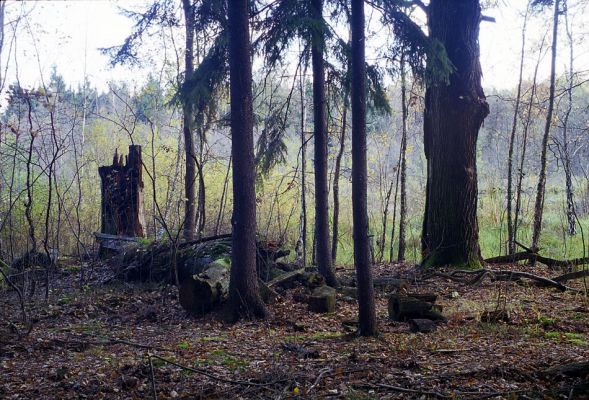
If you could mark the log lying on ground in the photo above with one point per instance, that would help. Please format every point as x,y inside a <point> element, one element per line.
<point>534,256</point>
<point>463,276</point>
<point>571,276</point>
<point>404,308</point>
<point>577,369</point>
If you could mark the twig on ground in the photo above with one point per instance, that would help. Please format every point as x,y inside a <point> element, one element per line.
<point>153,388</point>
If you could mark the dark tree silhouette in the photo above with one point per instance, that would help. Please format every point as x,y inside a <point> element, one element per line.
<point>367,315</point>
<point>454,113</point>
<point>243,286</point>
<point>322,247</point>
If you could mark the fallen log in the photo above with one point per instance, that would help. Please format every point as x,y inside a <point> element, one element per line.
<point>576,369</point>
<point>571,276</point>
<point>531,256</point>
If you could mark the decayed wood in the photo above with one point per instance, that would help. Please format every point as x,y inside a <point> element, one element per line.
<point>201,292</point>
<point>122,195</point>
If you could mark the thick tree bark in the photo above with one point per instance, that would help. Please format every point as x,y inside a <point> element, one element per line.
<point>541,191</point>
<point>403,165</point>
<point>188,117</point>
<point>243,287</point>
<point>322,245</point>
<point>454,113</point>
<point>510,230</point>
<point>367,314</point>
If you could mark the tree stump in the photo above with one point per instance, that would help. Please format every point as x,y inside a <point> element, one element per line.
<point>121,186</point>
<point>322,300</point>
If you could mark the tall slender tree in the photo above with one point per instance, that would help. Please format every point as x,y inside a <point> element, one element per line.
<point>403,162</point>
<point>243,286</point>
<point>541,190</point>
<point>454,113</point>
<point>187,120</point>
<point>322,246</point>
<point>512,136</point>
<point>367,314</point>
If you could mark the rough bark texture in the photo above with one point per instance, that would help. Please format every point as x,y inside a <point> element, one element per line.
<point>122,195</point>
<point>367,315</point>
<point>453,116</point>
<point>190,176</point>
<point>243,289</point>
<point>541,191</point>
<point>322,246</point>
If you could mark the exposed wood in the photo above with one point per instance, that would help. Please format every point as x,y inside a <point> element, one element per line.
<point>122,195</point>
<point>201,292</point>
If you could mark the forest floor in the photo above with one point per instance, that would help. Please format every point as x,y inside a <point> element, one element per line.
<point>135,341</point>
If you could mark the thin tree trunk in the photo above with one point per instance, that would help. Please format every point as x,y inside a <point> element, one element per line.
<point>454,113</point>
<point>223,195</point>
<point>539,205</point>
<point>303,217</point>
<point>188,117</point>
<point>527,123</point>
<point>510,232</point>
<point>367,314</point>
<point>29,184</point>
<point>571,214</point>
<point>336,176</point>
<point>322,245</point>
<point>243,286</point>
<point>403,165</point>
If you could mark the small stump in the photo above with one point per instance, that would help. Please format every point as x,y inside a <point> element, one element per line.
<point>322,300</point>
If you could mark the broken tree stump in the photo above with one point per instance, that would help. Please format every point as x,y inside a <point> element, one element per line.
<point>121,187</point>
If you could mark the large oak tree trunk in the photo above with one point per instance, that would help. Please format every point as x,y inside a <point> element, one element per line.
<point>322,245</point>
<point>367,315</point>
<point>243,287</point>
<point>190,177</point>
<point>454,113</point>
